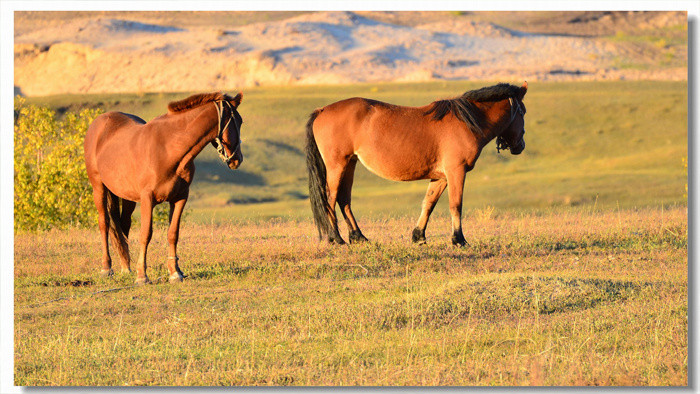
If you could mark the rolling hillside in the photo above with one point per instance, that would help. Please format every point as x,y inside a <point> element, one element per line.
<point>98,52</point>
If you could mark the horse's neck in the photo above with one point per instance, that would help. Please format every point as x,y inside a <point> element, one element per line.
<point>200,128</point>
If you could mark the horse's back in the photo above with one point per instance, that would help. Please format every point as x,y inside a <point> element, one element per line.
<point>358,107</point>
<point>114,121</point>
<point>108,124</point>
<point>351,115</point>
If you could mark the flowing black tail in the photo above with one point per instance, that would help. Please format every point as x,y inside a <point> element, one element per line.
<point>119,239</point>
<point>317,180</point>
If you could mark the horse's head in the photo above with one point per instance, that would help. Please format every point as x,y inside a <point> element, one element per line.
<point>228,140</point>
<point>513,137</point>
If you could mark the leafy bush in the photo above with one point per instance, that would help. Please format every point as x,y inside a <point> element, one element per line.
<point>51,185</point>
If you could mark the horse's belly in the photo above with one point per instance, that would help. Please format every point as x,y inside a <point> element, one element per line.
<point>120,178</point>
<point>400,167</point>
<point>122,189</point>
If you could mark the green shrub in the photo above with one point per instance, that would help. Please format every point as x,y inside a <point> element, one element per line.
<point>51,185</point>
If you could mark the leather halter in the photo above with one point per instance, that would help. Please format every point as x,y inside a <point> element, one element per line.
<point>515,108</point>
<point>512,110</point>
<point>218,140</point>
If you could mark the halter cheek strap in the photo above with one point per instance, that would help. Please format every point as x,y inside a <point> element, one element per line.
<point>515,108</point>
<point>218,141</point>
<point>514,104</point>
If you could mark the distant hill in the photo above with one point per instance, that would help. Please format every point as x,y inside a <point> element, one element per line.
<point>95,52</point>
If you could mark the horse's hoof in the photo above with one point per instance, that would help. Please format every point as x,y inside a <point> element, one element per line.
<point>126,270</point>
<point>418,236</point>
<point>107,273</point>
<point>357,237</point>
<point>142,281</point>
<point>176,277</point>
<point>458,240</point>
<point>337,241</point>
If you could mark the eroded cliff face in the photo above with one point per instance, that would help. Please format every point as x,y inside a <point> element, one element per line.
<point>88,54</point>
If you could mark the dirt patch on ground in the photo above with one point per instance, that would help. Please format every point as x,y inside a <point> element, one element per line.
<point>91,52</point>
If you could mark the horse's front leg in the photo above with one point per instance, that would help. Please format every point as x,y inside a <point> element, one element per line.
<point>146,233</point>
<point>455,189</point>
<point>176,209</point>
<point>432,195</point>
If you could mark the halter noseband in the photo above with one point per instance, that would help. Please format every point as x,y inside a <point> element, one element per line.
<point>218,141</point>
<point>515,108</point>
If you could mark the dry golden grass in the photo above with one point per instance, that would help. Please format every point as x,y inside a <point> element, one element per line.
<point>584,298</point>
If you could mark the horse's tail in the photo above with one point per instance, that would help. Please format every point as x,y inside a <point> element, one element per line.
<point>318,195</point>
<point>119,239</point>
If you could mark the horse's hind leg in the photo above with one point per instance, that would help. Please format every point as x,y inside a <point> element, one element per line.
<point>344,197</point>
<point>127,209</point>
<point>176,209</point>
<point>99,194</point>
<point>116,231</point>
<point>334,176</point>
<point>435,189</point>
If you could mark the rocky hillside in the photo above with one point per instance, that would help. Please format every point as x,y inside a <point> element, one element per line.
<point>78,52</point>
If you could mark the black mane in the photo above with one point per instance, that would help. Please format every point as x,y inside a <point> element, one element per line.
<point>196,100</point>
<point>463,106</point>
<point>498,92</point>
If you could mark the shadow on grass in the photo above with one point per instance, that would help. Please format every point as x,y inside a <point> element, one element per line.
<point>499,298</point>
<point>216,172</point>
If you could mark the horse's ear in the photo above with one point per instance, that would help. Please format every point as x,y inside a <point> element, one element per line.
<point>236,101</point>
<point>523,90</point>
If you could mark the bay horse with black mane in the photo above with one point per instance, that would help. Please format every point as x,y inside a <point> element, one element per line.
<point>130,160</point>
<point>440,142</point>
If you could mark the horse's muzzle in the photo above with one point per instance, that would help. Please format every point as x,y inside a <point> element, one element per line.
<point>234,164</point>
<point>516,150</point>
<point>236,160</point>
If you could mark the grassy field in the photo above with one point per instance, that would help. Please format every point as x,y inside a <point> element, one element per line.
<point>596,298</point>
<point>575,272</point>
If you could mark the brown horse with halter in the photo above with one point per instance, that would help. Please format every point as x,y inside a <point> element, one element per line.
<point>131,161</point>
<point>440,141</point>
